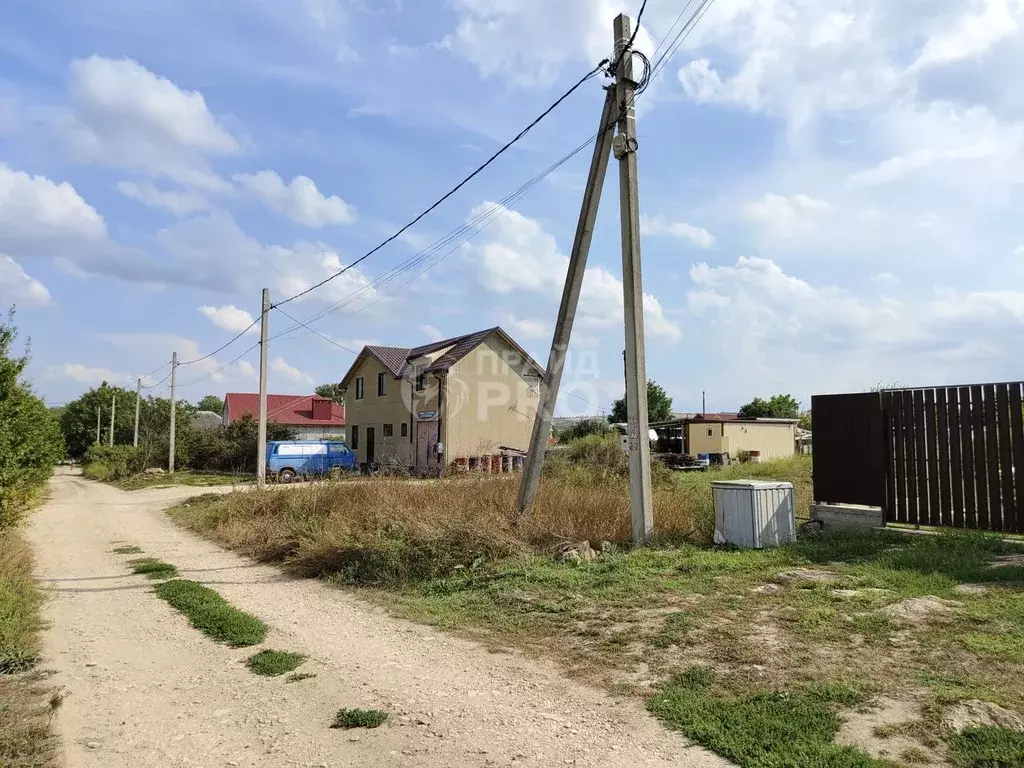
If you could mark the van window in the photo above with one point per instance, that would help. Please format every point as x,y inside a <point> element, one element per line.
<point>309,449</point>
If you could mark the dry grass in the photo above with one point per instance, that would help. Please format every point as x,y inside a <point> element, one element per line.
<point>27,702</point>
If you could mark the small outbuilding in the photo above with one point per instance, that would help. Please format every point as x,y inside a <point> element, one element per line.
<point>724,433</point>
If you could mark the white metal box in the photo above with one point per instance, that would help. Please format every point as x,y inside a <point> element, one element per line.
<point>753,513</point>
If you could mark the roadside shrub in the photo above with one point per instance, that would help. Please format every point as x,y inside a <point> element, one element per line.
<point>112,462</point>
<point>600,458</point>
<point>583,429</point>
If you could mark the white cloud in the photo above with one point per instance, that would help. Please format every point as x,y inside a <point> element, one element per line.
<point>972,33</point>
<point>527,328</point>
<point>290,372</point>
<point>299,200</point>
<point>16,287</point>
<point>431,332</point>
<point>123,115</point>
<point>785,216</point>
<point>521,256</point>
<point>884,278</point>
<point>178,203</point>
<point>229,318</point>
<point>36,212</point>
<point>85,374</point>
<point>659,225</point>
<point>1019,250</point>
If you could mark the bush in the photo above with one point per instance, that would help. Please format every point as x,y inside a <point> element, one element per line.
<point>600,458</point>
<point>583,429</point>
<point>112,462</point>
<point>30,439</point>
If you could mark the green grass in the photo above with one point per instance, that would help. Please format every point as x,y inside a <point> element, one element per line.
<point>129,549</point>
<point>152,568</point>
<point>20,602</point>
<point>988,747</point>
<point>359,718</point>
<point>766,729</point>
<point>674,630</point>
<point>273,663</point>
<point>197,479</point>
<point>211,614</point>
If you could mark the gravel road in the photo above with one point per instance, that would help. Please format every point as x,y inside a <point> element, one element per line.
<point>148,690</point>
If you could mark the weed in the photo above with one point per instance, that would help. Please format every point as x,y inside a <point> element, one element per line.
<point>296,677</point>
<point>211,614</point>
<point>915,756</point>
<point>767,729</point>
<point>273,663</point>
<point>674,630</point>
<point>987,747</point>
<point>198,479</point>
<point>129,549</point>
<point>359,718</point>
<point>152,568</point>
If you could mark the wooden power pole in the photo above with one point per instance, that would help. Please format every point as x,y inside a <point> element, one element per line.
<point>174,380</point>
<point>261,439</point>
<point>619,107</point>
<point>138,399</point>
<point>98,425</point>
<point>113,408</point>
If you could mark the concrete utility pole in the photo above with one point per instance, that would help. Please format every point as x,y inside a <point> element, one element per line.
<point>625,146</point>
<point>174,379</point>
<point>261,440</point>
<point>113,408</point>
<point>567,309</point>
<point>97,425</point>
<point>138,398</point>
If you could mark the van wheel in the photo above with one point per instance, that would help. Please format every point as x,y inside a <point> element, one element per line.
<point>285,476</point>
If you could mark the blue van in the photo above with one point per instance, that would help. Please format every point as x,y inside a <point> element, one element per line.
<point>288,459</point>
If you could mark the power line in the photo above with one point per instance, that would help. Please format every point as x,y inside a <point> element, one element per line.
<point>632,37</point>
<point>457,187</point>
<point>239,335</point>
<point>314,330</point>
<point>217,370</point>
<point>154,386</point>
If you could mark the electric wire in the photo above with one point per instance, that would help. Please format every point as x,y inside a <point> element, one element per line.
<point>224,346</point>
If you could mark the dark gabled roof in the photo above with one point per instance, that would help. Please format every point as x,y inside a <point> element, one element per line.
<point>397,359</point>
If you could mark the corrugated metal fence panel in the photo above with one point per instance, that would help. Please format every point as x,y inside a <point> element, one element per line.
<point>849,449</point>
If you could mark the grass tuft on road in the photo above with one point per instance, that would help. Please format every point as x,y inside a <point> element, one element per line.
<point>27,700</point>
<point>211,614</point>
<point>359,718</point>
<point>152,568</point>
<point>273,663</point>
<point>128,549</point>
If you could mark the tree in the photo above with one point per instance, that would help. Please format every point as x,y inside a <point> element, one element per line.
<point>78,419</point>
<point>659,405</point>
<point>777,407</point>
<point>333,391</point>
<point>805,421</point>
<point>580,429</point>
<point>211,403</point>
<point>30,440</point>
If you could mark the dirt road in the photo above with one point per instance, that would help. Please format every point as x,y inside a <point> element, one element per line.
<point>149,690</point>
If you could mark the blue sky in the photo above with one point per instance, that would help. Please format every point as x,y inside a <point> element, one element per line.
<point>831,191</point>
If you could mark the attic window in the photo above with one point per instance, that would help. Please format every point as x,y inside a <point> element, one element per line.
<point>421,382</point>
<point>382,384</point>
<point>359,388</point>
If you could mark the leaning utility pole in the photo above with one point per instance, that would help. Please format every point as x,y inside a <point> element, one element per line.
<point>97,425</point>
<point>567,309</point>
<point>138,398</point>
<point>113,408</point>
<point>619,107</point>
<point>174,378</point>
<point>625,147</point>
<point>261,439</point>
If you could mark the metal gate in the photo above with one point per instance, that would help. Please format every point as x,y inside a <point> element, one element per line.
<point>937,456</point>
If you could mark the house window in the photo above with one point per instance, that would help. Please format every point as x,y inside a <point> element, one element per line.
<point>359,387</point>
<point>711,432</point>
<point>421,382</point>
<point>405,429</point>
<point>389,430</point>
<point>382,384</point>
<point>355,438</point>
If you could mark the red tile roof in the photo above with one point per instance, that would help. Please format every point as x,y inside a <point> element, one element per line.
<point>294,410</point>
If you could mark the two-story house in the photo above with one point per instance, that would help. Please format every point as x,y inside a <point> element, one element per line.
<point>426,406</point>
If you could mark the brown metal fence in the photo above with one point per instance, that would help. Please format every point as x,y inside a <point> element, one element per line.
<point>938,456</point>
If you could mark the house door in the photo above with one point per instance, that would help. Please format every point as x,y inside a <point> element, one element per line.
<point>371,455</point>
<point>426,439</point>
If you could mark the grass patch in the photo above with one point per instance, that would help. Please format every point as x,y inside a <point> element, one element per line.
<point>212,614</point>
<point>27,700</point>
<point>296,677</point>
<point>273,663</point>
<point>129,549</point>
<point>767,729</point>
<point>359,718</point>
<point>196,479</point>
<point>152,568</point>
<point>988,747</point>
<point>674,630</point>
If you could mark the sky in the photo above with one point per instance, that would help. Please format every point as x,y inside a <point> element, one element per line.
<point>831,192</point>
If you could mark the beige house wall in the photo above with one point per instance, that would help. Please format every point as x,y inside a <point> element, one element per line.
<point>374,411</point>
<point>773,440</point>
<point>697,440</point>
<point>489,401</point>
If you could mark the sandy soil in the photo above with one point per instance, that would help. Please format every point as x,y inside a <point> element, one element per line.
<point>148,690</point>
